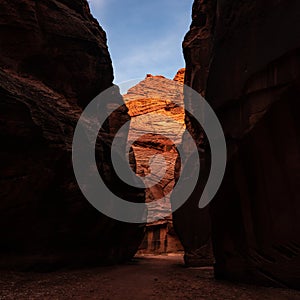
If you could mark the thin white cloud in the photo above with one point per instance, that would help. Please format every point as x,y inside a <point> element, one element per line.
<point>154,57</point>
<point>97,4</point>
<point>134,54</point>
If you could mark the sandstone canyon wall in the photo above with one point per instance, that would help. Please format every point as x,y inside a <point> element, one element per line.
<point>193,225</point>
<point>157,125</point>
<point>244,57</point>
<point>53,61</point>
<point>160,125</point>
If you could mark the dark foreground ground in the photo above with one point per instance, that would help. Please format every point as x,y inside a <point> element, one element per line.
<point>151,277</point>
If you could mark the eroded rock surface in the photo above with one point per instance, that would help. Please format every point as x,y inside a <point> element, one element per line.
<point>160,238</point>
<point>156,108</point>
<point>156,128</point>
<point>53,61</point>
<point>192,224</point>
<point>244,56</point>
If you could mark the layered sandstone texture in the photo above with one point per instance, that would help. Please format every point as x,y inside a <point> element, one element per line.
<point>244,56</point>
<point>157,124</point>
<point>53,61</point>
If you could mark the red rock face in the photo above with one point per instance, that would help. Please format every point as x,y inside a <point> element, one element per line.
<point>154,116</point>
<point>57,42</point>
<point>192,224</point>
<point>53,61</point>
<point>198,43</point>
<point>252,81</point>
<point>179,77</point>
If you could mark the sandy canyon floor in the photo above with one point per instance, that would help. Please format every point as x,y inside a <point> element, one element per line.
<point>148,277</point>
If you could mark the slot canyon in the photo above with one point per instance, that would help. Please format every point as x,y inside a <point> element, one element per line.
<point>243,57</point>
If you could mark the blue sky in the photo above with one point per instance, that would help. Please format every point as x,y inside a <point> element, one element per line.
<point>144,36</point>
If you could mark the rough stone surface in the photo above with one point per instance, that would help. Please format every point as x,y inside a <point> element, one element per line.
<point>198,43</point>
<point>252,82</point>
<point>160,238</point>
<point>191,223</point>
<point>53,61</point>
<point>59,43</point>
<point>179,77</point>
<point>156,128</point>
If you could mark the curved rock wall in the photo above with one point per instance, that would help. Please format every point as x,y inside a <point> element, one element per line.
<point>191,223</point>
<point>252,81</point>
<point>53,61</point>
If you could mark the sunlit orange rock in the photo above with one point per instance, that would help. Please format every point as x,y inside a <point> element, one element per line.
<point>157,125</point>
<point>180,76</point>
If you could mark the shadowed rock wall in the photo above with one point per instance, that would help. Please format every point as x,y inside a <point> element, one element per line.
<point>53,61</point>
<point>244,57</point>
<point>192,224</point>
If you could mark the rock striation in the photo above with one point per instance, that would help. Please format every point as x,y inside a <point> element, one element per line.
<point>156,128</point>
<point>244,57</point>
<point>53,61</point>
<point>157,125</point>
<point>179,77</point>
